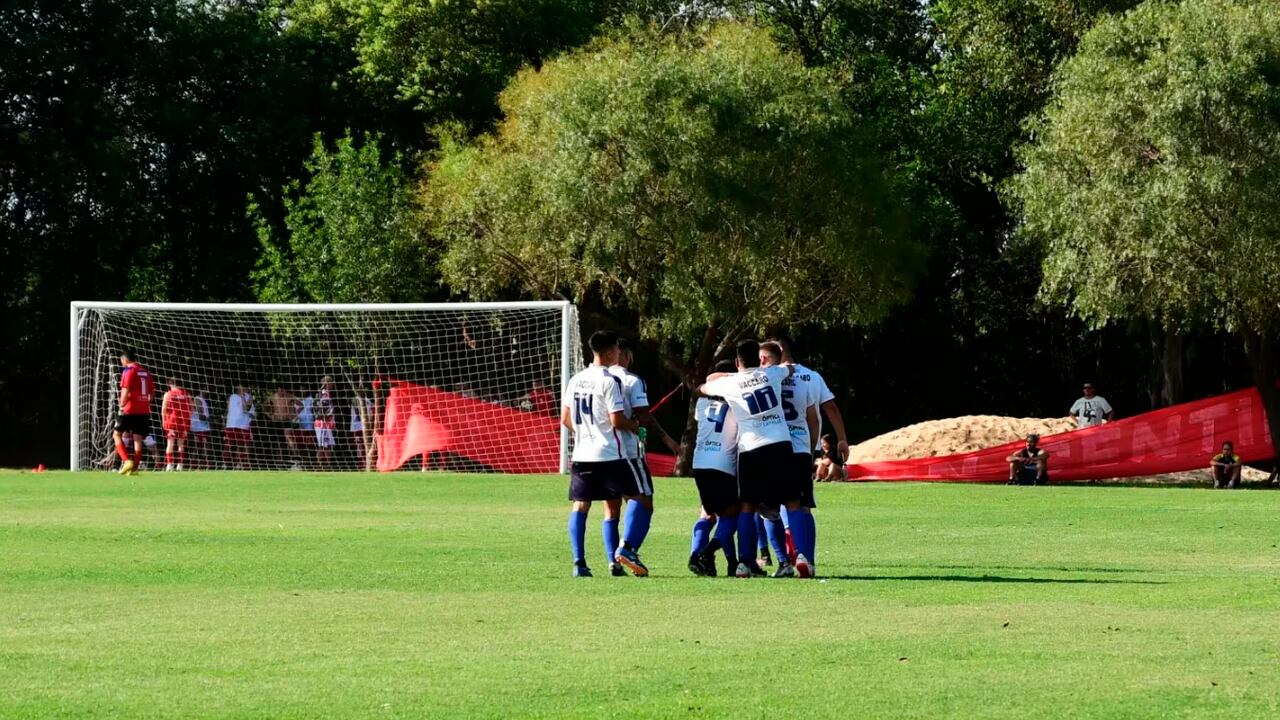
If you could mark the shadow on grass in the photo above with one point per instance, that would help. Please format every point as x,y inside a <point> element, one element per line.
<point>1019,568</point>
<point>991,579</point>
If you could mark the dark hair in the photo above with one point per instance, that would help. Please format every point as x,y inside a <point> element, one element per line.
<point>773,349</point>
<point>624,344</point>
<point>726,366</point>
<point>784,343</point>
<point>130,355</point>
<point>173,381</point>
<point>1228,442</point>
<point>749,353</point>
<point>828,437</point>
<point>603,340</point>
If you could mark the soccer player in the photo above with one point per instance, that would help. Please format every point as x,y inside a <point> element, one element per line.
<point>175,413</point>
<point>238,435</point>
<point>639,509</point>
<point>827,404</point>
<point>325,422</point>
<point>715,473</point>
<point>754,396</point>
<point>800,401</point>
<point>593,409</point>
<point>135,411</point>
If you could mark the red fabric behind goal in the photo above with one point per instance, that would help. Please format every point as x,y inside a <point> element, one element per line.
<point>1174,439</point>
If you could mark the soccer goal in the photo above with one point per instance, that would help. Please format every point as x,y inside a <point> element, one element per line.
<point>448,386</point>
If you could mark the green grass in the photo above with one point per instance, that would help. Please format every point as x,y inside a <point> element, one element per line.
<point>383,596</point>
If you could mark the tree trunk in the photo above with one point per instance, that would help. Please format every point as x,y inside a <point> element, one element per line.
<point>693,377</point>
<point>1172,392</point>
<point>1260,348</point>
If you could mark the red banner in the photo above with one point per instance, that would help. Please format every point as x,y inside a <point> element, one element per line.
<point>421,420</point>
<point>1175,439</point>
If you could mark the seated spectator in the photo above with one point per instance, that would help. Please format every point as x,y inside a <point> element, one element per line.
<point>1030,465</point>
<point>1092,409</point>
<point>829,466</point>
<point>1226,467</point>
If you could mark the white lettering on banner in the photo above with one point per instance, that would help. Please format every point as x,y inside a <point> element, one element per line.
<point>1165,444</point>
<point>1096,449</point>
<point>1207,418</point>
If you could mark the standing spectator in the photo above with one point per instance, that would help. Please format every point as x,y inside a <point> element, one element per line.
<point>1226,467</point>
<point>325,422</point>
<point>282,417</point>
<point>200,431</point>
<point>1092,409</point>
<point>305,435</point>
<point>361,415</point>
<point>239,432</point>
<point>175,413</point>
<point>1030,465</point>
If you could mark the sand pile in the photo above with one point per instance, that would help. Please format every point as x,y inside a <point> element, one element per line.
<point>954,435</point>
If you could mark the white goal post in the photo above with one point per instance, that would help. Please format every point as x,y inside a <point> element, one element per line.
<point>456,386</point>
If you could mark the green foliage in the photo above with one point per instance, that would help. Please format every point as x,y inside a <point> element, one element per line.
<point>351,235</point>
<point>452,57</point>
<point>681,178</point>
<point>1154,179</point>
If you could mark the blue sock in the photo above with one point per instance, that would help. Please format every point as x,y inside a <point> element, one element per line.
<point>578,536</point>
<point>786,517</point>
<point>761,535</point>
<point>800,520</point>
<point>609,530</point>
<point>810,547</point>
<point>747,537</point>
<point>724,533</point>
<point>777,538</point>
<point>635,524</point>
<point>701,534</point>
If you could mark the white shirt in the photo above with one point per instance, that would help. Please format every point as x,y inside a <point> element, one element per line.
<point>239,417</point>
<point>799,393</point>
<point>199,415</point>
<point>754,397</point>
<point>824,395</point>
<point>634,395</point>
<point>592,396</point>
<point>717,447</point>
<point>1091,411</point>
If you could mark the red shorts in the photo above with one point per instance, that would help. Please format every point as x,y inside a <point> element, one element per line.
<point>177,433</point>
<point>239,435</point>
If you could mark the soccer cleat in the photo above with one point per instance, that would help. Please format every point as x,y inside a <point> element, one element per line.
<point>803,568</point>
<point>743,571</point>
<point>708,558</point>
<point>785,570</point>
<point>126,468</point>
<point>616,570</point>
<point>178,467</point>
<point>757,571</point>
<point>631,560</point>
<point>697,565</point>
<point>581,571</point>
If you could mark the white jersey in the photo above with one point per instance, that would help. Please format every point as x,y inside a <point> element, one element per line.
<point>754,397</point>
<point>240,412</point>
<point>591,397</point>
<point>634,395</point>
<point>799,393</point>
<point>717,447</point>
<point>199,415</point>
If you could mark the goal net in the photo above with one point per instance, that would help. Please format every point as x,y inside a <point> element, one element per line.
<point>449,386</point>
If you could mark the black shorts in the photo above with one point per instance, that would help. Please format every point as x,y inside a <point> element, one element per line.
<point>718,490</point>
<point>1027,476</point>
<point>803,477</point>
<point>608,479</point>
<point>136,424</point>
<point>766,475</point>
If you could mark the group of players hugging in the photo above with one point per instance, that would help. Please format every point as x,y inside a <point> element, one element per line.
<point>758,422</point>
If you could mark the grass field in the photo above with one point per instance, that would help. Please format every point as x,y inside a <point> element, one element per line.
<point>372,596</point>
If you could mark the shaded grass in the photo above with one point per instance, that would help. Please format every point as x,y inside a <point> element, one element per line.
<point>310,595</point>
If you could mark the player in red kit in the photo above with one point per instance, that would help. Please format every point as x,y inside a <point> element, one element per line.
<point>175,410</point>
<point>135,410</point>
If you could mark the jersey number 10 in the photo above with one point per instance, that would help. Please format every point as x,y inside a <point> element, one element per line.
<point>762,400</point>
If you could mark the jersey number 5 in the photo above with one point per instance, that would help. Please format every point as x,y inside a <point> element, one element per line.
<point>789,408</point>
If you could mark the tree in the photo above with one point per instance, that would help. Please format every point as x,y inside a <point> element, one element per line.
<point>1154,177</point>
<point>351,231</point>
<point>708,183</point>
